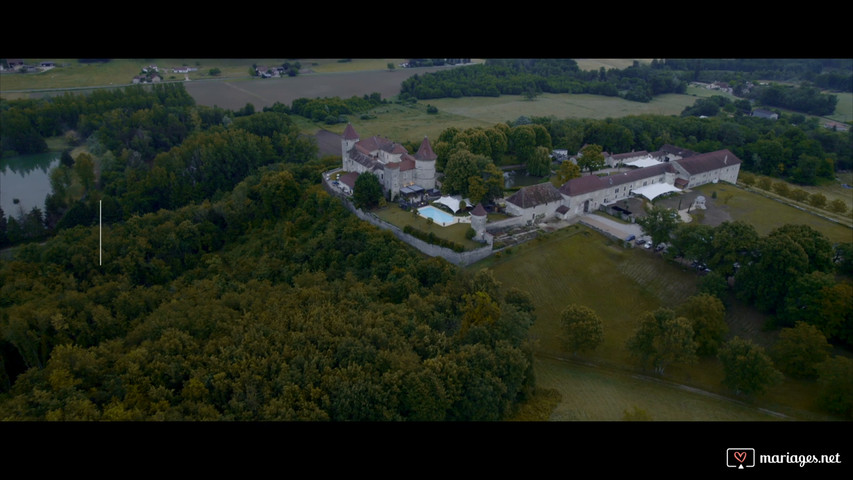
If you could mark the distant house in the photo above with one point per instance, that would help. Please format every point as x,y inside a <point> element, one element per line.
<point>762,113</point>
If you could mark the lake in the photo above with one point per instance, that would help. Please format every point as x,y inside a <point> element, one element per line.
<point>27,179</point>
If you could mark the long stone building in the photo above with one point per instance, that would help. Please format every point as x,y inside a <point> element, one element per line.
<point>587,193</point>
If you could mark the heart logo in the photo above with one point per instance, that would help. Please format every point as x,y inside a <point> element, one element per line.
<point>740,456</point>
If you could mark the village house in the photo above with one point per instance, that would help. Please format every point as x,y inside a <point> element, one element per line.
<point>397,170</point>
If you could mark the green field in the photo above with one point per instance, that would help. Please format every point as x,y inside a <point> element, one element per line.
<point>577,265</point>
<point>594,394</point>
<point>767,214</point>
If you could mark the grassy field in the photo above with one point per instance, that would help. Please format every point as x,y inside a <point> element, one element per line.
<point>767,214</point>
<point>412,122</point>
<point>577,265</point>
<point>593,394</point>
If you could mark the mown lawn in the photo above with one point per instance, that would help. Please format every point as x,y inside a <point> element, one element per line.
<point>400,218</point>
<point>767,214</point>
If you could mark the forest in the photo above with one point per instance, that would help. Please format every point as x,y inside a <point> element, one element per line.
<point>234,288</point>
<point>642,83</point>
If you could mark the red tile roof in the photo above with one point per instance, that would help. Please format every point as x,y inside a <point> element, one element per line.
<point>535,195</point>
<point>706,162</point>
<point>425,151</point>
<point>349,133</point>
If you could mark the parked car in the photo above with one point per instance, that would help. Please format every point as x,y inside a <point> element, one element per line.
<point>640,241</point>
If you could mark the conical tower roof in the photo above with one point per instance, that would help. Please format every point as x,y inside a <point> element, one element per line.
<point>349,133</point>
<point>425,151</point>
<point>479,211</point>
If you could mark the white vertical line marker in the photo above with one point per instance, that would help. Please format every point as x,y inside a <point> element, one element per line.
<point>100,236</point>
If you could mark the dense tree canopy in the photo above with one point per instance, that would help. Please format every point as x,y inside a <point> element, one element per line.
<point>273,303</point>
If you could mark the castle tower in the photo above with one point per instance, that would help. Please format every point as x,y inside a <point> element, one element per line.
<point>478,221</point>
<point>425,165</point>
<point>348,141</point>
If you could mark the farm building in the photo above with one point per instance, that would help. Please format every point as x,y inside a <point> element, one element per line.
<point>398,170</point>
<point>589,192</point>
<point>536,200</point>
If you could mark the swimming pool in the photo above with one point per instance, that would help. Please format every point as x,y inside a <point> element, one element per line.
<point>438,216</point>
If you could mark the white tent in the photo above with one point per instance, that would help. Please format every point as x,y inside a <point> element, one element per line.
<point>655,190</point>
<point>450,202</point>
<point>643,162</point>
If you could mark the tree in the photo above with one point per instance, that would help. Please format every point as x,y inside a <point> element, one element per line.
<point>817,247</point>
<point>693,241</point>
<point>460,167</point>
<point>835,386</point>
<point>539,163</point>
<point>582,328</point>
<point>766,281</point>
<point>707,316</point>
<point>799,350</point>
<point>803,303</point>
<point>567,171</point>
<point>662,339</point>
<point>591,158</point>
<point>747,367</point>
<point>660,222</point>
<point>836,307</point>
<point>84,168</point>
<point>732,242</point>
<point>367,191</point>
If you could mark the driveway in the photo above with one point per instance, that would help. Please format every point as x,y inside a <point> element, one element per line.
<point>612,227</point>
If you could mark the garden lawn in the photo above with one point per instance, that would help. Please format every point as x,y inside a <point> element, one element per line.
<point>400,218</point>
<point>766,214</point>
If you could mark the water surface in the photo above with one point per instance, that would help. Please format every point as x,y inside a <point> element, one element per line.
<point>27,179</point>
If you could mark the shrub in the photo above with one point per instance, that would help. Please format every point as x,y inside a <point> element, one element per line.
<point>817,200</point>
<point>799,195</point>
<point>838,206</point>
<point>782,188</point>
